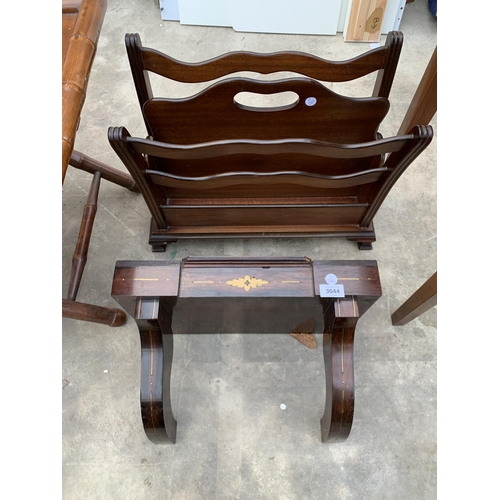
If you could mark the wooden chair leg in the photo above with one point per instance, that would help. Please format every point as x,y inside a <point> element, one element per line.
<point>88,164</point>
<point>71,308</point>
<point>80,310</point>
<point>341,316</point>
<point>95,314</point>
<point>421,301</point>
<point>82,245</point>
<point>154,319</point>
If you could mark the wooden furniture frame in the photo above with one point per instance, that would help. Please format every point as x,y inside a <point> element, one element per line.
<point>144,60</point>
<point>81,24</point>
<point>421,110</point>
<point>423,105</point>
<point>421,301</point>
<point>343,194</point>
<point>214,167</point>
<point>219,295</point>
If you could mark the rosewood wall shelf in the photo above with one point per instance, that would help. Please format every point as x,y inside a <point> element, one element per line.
<point>240,295</point>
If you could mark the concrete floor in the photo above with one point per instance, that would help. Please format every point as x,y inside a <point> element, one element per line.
<point>233,440</point>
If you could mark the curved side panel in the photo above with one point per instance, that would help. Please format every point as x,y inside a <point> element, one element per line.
<point>157,350</point>
<point>341,316</point>
<point>152,387</point>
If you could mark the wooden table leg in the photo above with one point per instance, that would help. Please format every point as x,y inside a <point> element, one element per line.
<point>341,316</point>
<point>421,301</point>
<point>154,319</point>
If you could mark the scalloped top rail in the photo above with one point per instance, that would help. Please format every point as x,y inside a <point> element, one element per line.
<point>380,58</point>
<point>234,62</point>
<point>145,60</point>
<point>285,146</point>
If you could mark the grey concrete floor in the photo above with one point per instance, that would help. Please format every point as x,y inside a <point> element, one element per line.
<point>233,440</point>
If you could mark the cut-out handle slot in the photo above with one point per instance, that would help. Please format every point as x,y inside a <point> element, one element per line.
<point>279,101</point>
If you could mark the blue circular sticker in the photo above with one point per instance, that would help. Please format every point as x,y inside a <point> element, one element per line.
<point>311,101</point>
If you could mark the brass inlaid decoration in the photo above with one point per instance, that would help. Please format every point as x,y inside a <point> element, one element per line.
<point>247,283</point>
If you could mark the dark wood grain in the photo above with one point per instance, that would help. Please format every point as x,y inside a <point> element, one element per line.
<point>213,166</point>
<point>94,314</point>
<point>341,317</point>
<point>385,77</point>
<point>83,162</point>
<point>137,164</point>
<point>230,147</point>
<point>230,179</point>
<point>421,110</point>
<point>267,202</point>
<point>243,295</point>
<point>144,60</point>
<point>80,255</point>
<point>421,301</point>
<point>154,319</point>
<point>423,105</point>
<point>213,115</point>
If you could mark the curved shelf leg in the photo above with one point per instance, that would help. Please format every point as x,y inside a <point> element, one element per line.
<point>340,316</point>
<point>154,319</point>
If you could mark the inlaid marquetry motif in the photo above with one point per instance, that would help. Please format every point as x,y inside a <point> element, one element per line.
<point>247,283</point>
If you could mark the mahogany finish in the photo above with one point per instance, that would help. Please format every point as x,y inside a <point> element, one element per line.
<point>421,301</point>
<point>424,103</point>
<point>421,110</point>
<point>83,162</point>
<point>341,317</point>
<point>240,295</point>
<point>213,167</point>
<point>384,60</point>
<point>94,314</point>
<point>82,245</point>
<point>335,190</point>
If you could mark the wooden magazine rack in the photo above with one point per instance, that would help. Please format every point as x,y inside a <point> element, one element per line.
<point>213,166</point>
